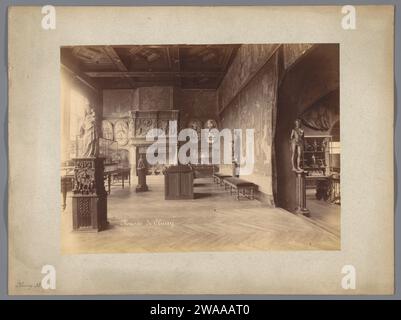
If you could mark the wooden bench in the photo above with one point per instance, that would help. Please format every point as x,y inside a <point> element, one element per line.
<point>219,177</point>
<point>241,186</point>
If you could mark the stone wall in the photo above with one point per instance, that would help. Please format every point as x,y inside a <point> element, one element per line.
<point>192,104</point>
<point>117,103</point>
<point>155,98</point>
<point>196,104</point>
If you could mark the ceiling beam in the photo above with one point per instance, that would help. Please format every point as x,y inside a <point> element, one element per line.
<point>122,74</point>
<point>133,50</point>
<point>125,46</point>
<point>158,84</point>
<point>72,66</point>
<point>112,54</point>
<point>227,60</point>
<point>115,58</point>
<point>143,84</point>
<point>227,57</point>
<point>173,56</point>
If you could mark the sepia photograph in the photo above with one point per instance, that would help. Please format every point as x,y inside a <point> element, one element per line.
<point>231,147</point>
<point>201,150</point>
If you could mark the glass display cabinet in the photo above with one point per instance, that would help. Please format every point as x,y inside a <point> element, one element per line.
<point>316,163</point>
<point>108,149</point>
<point>316,157</point>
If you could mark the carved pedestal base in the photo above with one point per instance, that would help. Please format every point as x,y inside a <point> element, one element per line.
<point>89,213</point>
<point>142,186</point>
<point>89,199</point>
<point>301,195</point>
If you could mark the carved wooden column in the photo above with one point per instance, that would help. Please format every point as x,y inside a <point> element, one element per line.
<point>301,194</point>
<point>89,199</point>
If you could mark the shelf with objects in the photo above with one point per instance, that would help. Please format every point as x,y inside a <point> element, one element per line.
<point>116,164</point>
<point>318,154</point>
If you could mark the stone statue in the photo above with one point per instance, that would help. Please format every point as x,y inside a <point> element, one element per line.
<point>211,124</point>
<point>88,134</point>
<point>297,146</point>
<point>141,172</point>
<point>197,126</point>
<point>141,163</point>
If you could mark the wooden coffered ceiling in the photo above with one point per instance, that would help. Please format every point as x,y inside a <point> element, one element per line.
<point>124,67</point>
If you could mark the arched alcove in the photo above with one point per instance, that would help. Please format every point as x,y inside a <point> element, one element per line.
<point>309,87</point>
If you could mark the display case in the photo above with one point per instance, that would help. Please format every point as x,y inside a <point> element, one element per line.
<point>316,163</point>
<point>316,156</point>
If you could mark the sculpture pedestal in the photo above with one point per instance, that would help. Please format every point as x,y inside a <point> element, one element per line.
<point>301,195</point>
<point>142,186</point>
<point>89,199</point>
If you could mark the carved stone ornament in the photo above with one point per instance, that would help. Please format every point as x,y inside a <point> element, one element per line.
<point>84,177</point>
<point>143,126</point>
<point>121,132</point>
<point>196,125</point>
<point>107,130</point>
<point>163,125</point>
<point>131,128</point>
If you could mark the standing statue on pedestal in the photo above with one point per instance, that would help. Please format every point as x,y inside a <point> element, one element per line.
<point>141,172</point>
<point>297,146</point>
<point>88,134</point>
<point>89,199</point>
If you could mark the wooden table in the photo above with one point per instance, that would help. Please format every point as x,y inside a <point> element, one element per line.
<point>119,174</point>
<point>66,185</point>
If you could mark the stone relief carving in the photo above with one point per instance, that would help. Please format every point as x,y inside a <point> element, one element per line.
<point>107,130</point>
<point>163,124</point>
<point>143,126</point>
<point>84,177</point>
<point>121,132</point>
<point>196,125</point>
<point>131,128</point>
<point>138,123</point>
<point>211,124</point>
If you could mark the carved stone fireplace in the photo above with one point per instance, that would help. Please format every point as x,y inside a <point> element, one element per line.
<point>130,133</point>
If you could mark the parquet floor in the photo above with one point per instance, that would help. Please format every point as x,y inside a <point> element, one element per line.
<point>214,221</point>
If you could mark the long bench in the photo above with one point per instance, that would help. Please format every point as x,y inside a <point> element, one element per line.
<point>219,177</point>
<point>241,186</point>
